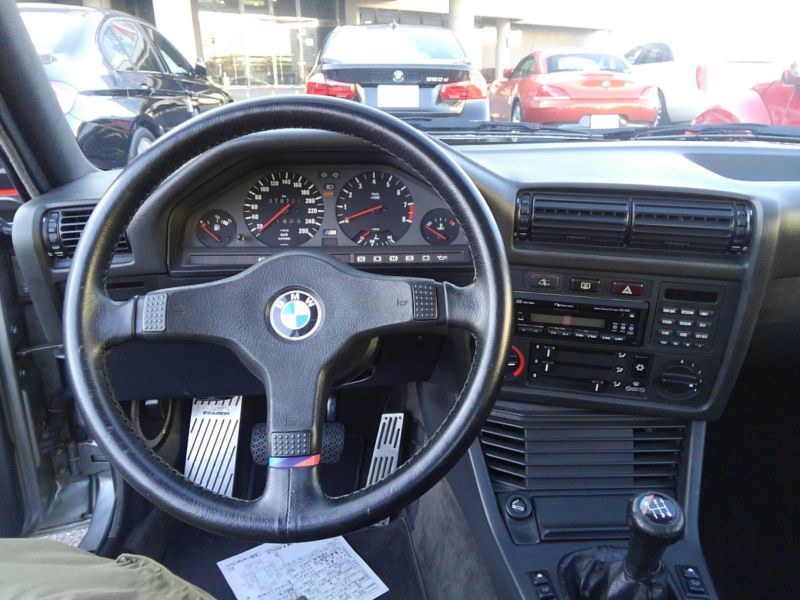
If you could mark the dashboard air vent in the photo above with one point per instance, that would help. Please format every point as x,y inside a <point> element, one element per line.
<point>713,227</point>
<point>618,220</point>
<point>577,219</point>
<point>62,230</point>
<point>559,453</point>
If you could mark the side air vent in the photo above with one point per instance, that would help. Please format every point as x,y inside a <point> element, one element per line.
<point>567,453</point>
<point>713,227</point>
<point>678,224</point>
<point>62,230</point>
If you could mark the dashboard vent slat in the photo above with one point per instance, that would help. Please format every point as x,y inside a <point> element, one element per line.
<point>675,224</point>
<point>62,230</point>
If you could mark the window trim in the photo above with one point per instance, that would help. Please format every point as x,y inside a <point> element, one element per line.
<point>138,26</point>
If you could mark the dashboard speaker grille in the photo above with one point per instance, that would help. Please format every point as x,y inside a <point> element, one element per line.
<point>63,229</point>
<point>578,451</point>
<point>664,223</point>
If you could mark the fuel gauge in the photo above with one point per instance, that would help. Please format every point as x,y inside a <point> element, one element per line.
<point>216,229</point>
<point>439,227</point>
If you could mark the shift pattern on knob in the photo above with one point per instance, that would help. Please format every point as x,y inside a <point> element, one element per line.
<point>658,508</point>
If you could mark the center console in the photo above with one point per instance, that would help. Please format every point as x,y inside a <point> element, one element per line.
<point>648,340</point>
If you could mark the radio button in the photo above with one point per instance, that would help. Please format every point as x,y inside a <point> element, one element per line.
<point>701,336</point>
<point>663,342</point>
<point>586,286</point>
<point>665,332</point>
<point>607,338</point>
<point>704,324</point>
<point>619,338</point>
<point>669,310</point>
<point>689,312</point>
<point>623,288</point>
<point>667,321</point>
<point>685,322</point>
<point>705,313</point>
<point>688,345</point>
<point>592,335</point>
<point>685,334</point>
<point>544,281</point>
<point>676,343</point>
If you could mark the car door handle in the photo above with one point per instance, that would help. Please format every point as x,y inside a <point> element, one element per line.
<point>146,87</point>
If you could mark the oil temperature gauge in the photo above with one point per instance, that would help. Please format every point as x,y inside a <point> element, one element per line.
<point>216,229</point>
<point>439,227</point>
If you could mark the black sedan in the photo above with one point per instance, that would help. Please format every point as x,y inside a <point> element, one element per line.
<point>410,71</point>
<point>120,83</point>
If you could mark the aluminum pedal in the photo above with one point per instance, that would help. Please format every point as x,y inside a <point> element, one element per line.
<point>213,440</point>
<point>386,455</point>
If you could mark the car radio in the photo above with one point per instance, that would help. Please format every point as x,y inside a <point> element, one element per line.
<point>609,322</point>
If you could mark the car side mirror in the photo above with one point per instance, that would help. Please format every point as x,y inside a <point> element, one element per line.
<point>507,73</point>
<point>791,76</point>
<point>200,69</point>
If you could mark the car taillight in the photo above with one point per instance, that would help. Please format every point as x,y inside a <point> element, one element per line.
<point>65,94</point>
<point>701,76</point>
<point>649,94</point>
<point>551,92</point>
<point>319,85</point>
<point>474,88</point>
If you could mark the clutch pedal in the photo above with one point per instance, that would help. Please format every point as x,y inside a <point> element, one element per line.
<point>213,440</point>
<point>386,455</point>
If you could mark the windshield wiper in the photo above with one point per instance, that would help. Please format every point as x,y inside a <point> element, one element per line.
<point>442,126</point>
<point>728,131</point>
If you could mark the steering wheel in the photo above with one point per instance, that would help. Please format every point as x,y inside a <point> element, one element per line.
<point>290,319</point>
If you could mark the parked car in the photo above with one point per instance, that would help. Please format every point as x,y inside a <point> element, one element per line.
<point>120,83</point>
<point>773,103</point>
<point>406,70</point>
<point>689,80</point>
<point>573,88</point>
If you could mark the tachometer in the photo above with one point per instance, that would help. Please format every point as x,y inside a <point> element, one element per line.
<point>283,209</point>
<point>375,208</point>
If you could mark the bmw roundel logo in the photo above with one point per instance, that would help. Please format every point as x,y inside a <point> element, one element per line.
<point>398,76</point>
<point>294,315</point>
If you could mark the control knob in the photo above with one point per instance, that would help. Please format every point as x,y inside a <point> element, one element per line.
<point>680,380</point>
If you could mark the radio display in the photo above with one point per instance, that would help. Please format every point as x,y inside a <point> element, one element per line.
<point>567,320</point>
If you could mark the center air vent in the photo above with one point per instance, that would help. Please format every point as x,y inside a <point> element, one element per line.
<point>559,453</point>
<point>664,223</point>
<point>62,230</point>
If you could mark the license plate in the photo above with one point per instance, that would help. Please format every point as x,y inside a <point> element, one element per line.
<point>398,96</point>
<point>603,121</point>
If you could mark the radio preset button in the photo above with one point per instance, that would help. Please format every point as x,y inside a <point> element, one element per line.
<point>689,312</point>
<point>684,334</point>
<point>685,322</point>
<point>704,324</point>
<point>669,310</point>
<point>701,336</point>
<point>667,321</point>
<point>665,332</point>
<point>586,286</point>
<point>705,313</point>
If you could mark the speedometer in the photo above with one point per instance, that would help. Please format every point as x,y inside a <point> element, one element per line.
<point>283,209</point>
<point>375,208</point>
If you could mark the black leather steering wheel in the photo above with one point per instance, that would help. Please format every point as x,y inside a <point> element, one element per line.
<point>289,319</point>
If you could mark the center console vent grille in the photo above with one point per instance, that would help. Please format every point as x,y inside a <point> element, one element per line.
<point>664,223</point>
<point>62,231</point>
<point>562,452</point>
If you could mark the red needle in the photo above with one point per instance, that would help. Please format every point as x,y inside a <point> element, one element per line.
<point>367,211</point>
<point>436,233</point>
<point>213,235</point>
<point>274,217</point>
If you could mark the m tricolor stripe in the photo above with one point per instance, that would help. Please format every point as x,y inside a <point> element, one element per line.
<point>288,462</point>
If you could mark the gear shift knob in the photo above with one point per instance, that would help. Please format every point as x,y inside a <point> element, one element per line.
<point>656,521</point>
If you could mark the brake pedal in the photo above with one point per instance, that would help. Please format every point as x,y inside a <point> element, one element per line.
<point>332,443</point>
<point>386,455</point>
<point>213,440</point>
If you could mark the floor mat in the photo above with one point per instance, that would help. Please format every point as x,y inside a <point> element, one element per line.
<point>387,550</point>
<point>750,486</point>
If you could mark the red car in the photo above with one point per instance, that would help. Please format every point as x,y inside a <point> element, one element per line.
<point>573,87</point>
<point>773,103</point>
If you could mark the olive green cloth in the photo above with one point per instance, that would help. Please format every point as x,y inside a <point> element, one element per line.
<point>38,569</point>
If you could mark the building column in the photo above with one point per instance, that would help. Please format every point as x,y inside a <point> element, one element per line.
<point>501,50</point>
<point>462,22</point>
<point>175,19</point>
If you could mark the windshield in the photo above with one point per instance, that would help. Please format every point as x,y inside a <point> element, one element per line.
<point>504,71</point>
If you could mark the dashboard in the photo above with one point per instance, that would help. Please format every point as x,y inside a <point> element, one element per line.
<point>641,271</point>
<point>364,214</point>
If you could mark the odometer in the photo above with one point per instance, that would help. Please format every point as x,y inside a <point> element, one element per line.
<point>283,209</point>
<point>375,208</point>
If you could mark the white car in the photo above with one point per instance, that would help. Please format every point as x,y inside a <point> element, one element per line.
<point>687,84</point>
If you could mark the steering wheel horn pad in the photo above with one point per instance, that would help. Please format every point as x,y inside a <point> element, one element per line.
<point>291,320</point>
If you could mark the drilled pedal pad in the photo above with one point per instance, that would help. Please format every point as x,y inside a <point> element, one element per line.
<point>213,441</point>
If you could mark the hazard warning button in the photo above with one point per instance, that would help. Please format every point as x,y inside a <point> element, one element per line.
<point>627,288</point>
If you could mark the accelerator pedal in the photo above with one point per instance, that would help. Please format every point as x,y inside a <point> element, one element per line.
<point>386,455</point>
<point>213,440</point>
<point>332,443</point>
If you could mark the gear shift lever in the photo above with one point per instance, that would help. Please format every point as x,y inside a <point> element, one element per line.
<point>656,521</point>
<point>609,573</point>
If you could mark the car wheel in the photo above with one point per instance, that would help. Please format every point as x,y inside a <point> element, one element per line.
<point>516,112</point>
<point>662,117</point>
<point>141,140</point>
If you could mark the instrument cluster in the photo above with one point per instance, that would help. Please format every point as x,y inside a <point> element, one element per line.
<point>367,209</point>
